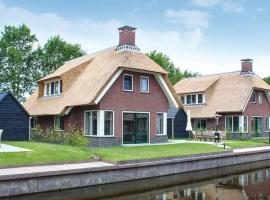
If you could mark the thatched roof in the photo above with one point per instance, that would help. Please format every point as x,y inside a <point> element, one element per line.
<point>228,92</point>
<point>85,77</point>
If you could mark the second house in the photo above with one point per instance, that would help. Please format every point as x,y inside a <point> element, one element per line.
<point>117,96</point>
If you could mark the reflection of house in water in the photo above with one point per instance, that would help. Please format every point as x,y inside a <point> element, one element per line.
<point>254,186</point>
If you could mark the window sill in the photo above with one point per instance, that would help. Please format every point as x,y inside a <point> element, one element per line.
<point>51,96</point>
<point>98,136</point>
<point>144,92</point>
<point>128,90</point>
<point>199,104</point>
<point>161,134</point>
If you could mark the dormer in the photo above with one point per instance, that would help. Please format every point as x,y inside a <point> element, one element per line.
<point>193,99</point>
<point>53,88</point>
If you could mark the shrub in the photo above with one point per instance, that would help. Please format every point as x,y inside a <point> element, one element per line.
<point>74,137</point>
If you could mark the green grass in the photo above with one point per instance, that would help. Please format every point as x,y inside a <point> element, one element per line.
<point>43,153</point>
<point>154,151</point>
<point>248,143</point>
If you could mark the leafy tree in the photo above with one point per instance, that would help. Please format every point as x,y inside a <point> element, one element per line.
<point>174,73</point>
<point>267,79</point>
<point>55,53</point>
<point>17,73</point>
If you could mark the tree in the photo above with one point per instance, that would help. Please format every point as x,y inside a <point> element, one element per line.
<point>17,73</point>
<point>55,53</point>
<point>174,73</point>
<point>267,79</point>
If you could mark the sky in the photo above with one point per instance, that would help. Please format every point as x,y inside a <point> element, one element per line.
<point>205,36</point>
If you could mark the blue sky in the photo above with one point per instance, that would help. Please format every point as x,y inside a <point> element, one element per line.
<point>206,36</point>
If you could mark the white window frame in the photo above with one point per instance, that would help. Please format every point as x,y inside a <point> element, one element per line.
<point>130,75</point>
<point>54,127</point>
<point>240,125</point>
<point>48,84</point>
<point>148,84</point>
<point>267,127</point>
<point>255,97</point>
<point>35,123</point>
<point>91,134</point>
<point>164,125</point>
<point>260,98</point>
<point>112,122</point>
<point>196,101</point>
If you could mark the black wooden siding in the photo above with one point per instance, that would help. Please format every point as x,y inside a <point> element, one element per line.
<point>13,119</point>
<point>180,123</point>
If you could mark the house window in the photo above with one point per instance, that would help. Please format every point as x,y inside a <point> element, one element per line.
<point>128,82</point>
<point>267,123</point>
<point>58,123</point>
<point>260,98</point>
<point>144,84</point>
<point>108,123</point>
<point>200,124</point>
<point>53,88</point>
<point>91,123</point>
<point>236,124</point>
<point>253,97</point>
<point>33,123</point>
<point>200,98</point>
<point>188,99</point>
<point>256,125</point>
<point>183,99</point>
<point>193,99</point>
<point>160,122</point>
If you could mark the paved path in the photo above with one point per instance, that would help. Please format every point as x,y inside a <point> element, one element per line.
<point>52,168</point>
<point>8,148</point>
<point>251,149</point>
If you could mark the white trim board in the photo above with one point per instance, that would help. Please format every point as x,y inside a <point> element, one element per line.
<point>167,91</point>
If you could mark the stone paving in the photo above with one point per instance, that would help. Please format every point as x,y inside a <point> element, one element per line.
<point>251,149</point>
<point>52,168</point>
<point>8,148</point>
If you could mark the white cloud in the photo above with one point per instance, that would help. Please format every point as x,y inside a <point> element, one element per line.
<point>259,9</point>
<point>227,5</point>
<point>189,18</point>
<point>206,3</point>
<point>232,7</point>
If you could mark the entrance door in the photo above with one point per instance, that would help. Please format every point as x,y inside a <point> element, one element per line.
<point>256,125</point>
<point>135,128</point>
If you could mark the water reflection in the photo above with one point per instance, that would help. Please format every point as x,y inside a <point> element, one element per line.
<point>254,186</point>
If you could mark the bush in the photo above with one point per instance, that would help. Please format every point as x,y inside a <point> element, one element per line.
<point>74,137</point>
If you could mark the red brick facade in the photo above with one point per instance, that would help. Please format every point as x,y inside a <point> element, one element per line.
<point>118,100</point>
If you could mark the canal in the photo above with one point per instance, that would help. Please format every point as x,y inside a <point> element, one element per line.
<point>249,181</point>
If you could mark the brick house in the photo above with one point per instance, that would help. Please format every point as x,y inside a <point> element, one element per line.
<point>241,98</point>
<point>116,96</point>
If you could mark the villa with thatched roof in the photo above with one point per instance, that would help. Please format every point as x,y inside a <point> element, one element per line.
<point>117,96</point>
<point>241,101</point>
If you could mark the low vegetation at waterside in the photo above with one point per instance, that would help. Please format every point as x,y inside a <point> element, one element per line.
<point>74,137</point>
<point>54,153</point>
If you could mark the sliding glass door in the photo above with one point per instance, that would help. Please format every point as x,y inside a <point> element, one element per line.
<point>256,125</point>
<point>135,128</point>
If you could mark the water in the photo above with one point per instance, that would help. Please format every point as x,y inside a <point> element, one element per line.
<point>230,183</point>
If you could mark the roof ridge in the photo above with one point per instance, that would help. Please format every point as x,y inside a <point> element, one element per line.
<point>208,75</point>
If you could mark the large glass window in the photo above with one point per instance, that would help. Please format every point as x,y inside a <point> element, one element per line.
<point>236,124</point>
<point>91,123</point>
<point>261,98</point>
<point>160,122</point>
<point>108,123</point>
<point>144,84</point>
<point>58,123</point>
<point>53,88</point>
<point>200,124</point>
<point>128,82</point>
<point>256,125</point>
<point>193,99</point>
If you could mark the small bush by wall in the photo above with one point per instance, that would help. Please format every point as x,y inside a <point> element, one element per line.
<point>73,137</point>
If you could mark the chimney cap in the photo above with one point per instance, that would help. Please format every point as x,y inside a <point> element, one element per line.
<point>247,60</point>
<point>130,28</point>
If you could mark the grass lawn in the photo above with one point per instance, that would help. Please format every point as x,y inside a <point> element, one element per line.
<point>154,151</point>
<point>43,153</point>
<point>248,143</point>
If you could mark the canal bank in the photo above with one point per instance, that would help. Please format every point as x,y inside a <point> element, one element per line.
<point>20,182</point>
